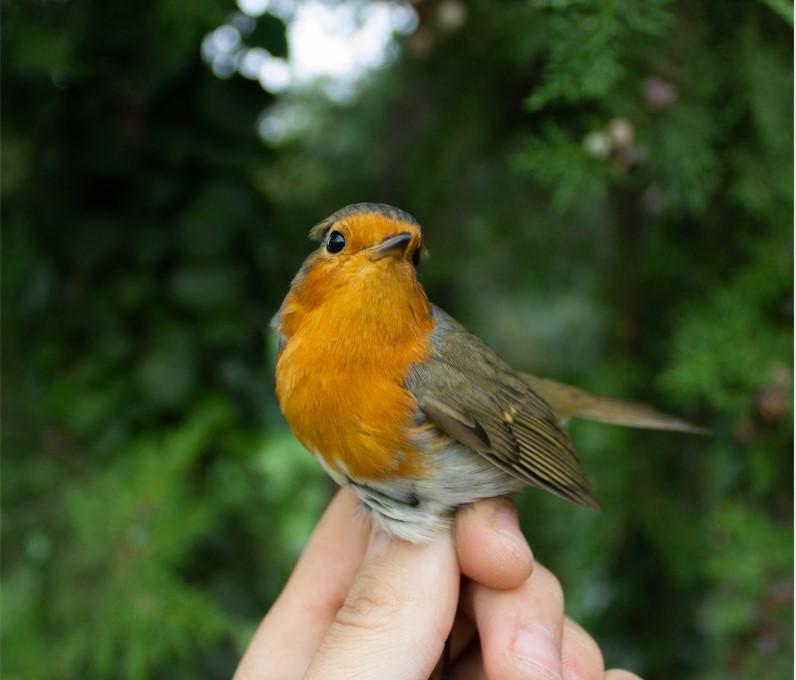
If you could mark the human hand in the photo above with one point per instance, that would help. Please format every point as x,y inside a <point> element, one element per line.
<point>360,605</point>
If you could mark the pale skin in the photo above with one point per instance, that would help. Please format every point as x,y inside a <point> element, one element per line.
<point>362,605</point>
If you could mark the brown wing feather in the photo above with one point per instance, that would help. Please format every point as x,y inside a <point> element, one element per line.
<point>470,393</point>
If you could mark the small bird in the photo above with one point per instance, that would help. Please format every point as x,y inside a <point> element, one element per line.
<point>402,404</point>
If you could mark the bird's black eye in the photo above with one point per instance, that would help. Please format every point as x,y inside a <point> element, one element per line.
<point>335,243</point>
<point>416,256</point>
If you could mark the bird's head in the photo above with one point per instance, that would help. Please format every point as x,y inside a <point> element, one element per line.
<point>364,234</point>
<point>363,245</point>
<point>367,261</point>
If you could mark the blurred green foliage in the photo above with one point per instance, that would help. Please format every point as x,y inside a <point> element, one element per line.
<point>606,191</point>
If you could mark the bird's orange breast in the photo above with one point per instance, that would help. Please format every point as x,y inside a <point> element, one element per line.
<point>340,374</point>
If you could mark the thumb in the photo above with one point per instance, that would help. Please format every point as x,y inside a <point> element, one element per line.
<point>397,615</point>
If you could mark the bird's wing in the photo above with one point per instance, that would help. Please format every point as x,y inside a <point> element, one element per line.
<point>470,393</point>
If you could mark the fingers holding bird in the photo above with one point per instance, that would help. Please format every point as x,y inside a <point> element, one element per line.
<point>520,629</point>
<point>523,633</point>
<point>290,634</point>
<point>360,604</point>
<point>511,621</point>
<point>397,614</point>
<point>490,545</point>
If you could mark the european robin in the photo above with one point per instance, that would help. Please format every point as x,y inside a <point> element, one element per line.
<point>401,403</point>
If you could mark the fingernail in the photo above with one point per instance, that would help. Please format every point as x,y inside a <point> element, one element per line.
<point>504,521</point>
<point>536,644</point>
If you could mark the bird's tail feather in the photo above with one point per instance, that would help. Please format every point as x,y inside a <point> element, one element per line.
<point>571,402</point>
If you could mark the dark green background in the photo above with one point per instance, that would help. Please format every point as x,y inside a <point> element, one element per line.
<point>153,499</point>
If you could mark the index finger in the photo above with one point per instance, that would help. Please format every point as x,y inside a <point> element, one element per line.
<point>291,632</point>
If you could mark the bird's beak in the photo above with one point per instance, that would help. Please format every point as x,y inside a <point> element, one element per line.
<point>394,246</point>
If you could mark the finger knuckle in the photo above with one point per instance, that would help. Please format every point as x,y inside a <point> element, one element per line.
<point>371,604</point>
